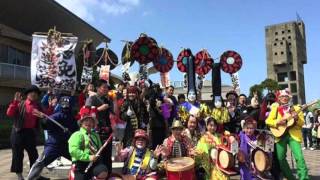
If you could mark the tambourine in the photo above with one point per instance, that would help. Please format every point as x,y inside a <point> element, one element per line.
<point>203,62</point>
<point>231,62</point>
<point>112,60</point>
<point>182,59</point>
<point>165,61</point>
<point>126,55</point>
<point>144,49</point>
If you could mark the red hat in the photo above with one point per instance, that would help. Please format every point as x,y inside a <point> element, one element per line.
<point>87,112</point>
<point>140,133</point>
<point>132,89</point>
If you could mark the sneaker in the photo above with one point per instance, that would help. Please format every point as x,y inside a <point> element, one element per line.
<point>43,178</point>
<point>304,148</point>
<point>312,148</point>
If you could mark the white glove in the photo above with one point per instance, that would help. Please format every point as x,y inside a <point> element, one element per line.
<point>129,112</point>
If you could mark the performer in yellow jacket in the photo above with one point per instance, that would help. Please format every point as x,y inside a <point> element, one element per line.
<point>292,137</point>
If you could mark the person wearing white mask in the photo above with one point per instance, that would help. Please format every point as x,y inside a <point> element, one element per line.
<point>220,113</point>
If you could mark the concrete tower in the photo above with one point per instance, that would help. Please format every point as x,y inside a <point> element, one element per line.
<point>286,55</point>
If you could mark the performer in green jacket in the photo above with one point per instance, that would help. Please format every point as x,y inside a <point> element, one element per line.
<point>83,145</point>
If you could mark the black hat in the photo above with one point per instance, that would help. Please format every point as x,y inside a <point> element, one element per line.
<point>32,88</point>
<point>232,92</point>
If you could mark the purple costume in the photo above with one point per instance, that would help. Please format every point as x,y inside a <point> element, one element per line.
<point>245,172</point>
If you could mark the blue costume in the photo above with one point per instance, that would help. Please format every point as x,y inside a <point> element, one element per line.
<point>57,143</point>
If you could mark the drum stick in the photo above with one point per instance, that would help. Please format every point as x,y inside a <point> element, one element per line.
<point>99,152</point>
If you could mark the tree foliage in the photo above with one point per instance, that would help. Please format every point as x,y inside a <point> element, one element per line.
<point>270,85</point>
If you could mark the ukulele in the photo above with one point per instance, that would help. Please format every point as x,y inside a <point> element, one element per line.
<point>290,121</point>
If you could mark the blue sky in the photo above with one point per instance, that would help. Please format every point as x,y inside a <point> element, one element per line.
<point>211,24</point>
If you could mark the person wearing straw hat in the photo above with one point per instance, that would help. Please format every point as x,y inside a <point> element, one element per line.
<point>177,145</point>
<point>138,159</point>
<point>83,146</point>
<point>292,137</point>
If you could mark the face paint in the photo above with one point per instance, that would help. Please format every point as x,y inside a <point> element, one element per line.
<point>191,96</point>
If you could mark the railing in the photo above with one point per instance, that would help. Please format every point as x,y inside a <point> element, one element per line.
<point>14,72</point>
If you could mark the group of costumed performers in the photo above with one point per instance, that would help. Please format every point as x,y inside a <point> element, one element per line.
<point>186,138</point>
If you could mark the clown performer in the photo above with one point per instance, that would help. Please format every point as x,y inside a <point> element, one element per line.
<point>134,112</point>
<point>83,145</point>
<point>139,161</point>
<point>293,136</point>
<point>57,143</point>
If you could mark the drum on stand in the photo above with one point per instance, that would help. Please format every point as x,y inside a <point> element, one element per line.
<point>261,160</point>
<point>180,169</point>
<point>226,159</point>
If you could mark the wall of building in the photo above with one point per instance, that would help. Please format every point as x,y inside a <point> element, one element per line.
<point>286,55</point>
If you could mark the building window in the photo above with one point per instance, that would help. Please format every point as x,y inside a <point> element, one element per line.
<point>276,39</point>
<point>282,77</point>
<point>275,53</point>
<point>282,32</point>
<point>283,86</point>
<point>282,52</point>
<point>290,53</point>
<point>293,76</point>
<point>289,37</point>
<point>3,53</point>
<point>293,87</point>
<point>281,43</point>
<point>289,31</point>
<point>275,44</point>
<point>295,99</point>
<point>289,43</point>
<point>283,38</point>
<point>18,57</point>
<point>276,33</point>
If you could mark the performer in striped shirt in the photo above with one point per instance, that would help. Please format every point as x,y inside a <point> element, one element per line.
<point>139,161</point>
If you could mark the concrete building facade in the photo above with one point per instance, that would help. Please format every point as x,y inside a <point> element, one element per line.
<point>286,55</point>
<point>16,39</point>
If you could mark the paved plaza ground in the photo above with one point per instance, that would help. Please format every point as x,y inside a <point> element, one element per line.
<point>312,158</point>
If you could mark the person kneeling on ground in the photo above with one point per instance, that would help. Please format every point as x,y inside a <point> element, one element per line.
<point>83,145</point>
<point>139,161</point>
